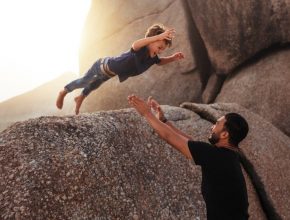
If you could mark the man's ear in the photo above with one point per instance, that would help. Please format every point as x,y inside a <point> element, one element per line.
<point>225,135</point>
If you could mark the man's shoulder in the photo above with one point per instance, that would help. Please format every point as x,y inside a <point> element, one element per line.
<point>201,147</point>
<point>200,151</point>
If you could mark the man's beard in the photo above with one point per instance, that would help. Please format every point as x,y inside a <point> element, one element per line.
<point>214,138</point>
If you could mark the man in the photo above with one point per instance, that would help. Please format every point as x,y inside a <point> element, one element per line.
<point>223,184</point>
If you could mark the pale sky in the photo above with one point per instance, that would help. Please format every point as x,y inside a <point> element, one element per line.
<point>39,41</point>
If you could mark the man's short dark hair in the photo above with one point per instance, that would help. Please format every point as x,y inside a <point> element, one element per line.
<point>237,127</point>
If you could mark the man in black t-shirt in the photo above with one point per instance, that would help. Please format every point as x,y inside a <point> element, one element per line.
<point>223,184</point>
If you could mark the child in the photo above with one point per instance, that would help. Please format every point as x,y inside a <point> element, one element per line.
<point>142,55</point>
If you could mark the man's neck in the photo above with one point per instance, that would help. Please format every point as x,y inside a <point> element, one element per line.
<point>227,145</point>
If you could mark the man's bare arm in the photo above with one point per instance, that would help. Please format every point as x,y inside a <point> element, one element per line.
<point>179,142</point>
<point>173,138</point>
<point>178,131</point>
<point>160,115</point>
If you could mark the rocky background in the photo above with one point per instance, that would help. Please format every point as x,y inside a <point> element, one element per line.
<point>35,103</point>
<point>111,165</point>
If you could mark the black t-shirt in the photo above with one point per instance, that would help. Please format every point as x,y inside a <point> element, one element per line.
<point>223,184</point>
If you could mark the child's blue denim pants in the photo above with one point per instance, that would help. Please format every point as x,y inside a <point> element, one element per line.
<point>90,81</point>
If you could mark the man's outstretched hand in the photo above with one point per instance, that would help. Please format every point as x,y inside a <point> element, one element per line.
<point>155,106</point>
<point>172,135</point>
<point>144,108</point>
<point>140,105</point>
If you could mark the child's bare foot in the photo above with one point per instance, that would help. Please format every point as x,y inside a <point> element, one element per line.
<point>60,98</point>
<point>79,100</point>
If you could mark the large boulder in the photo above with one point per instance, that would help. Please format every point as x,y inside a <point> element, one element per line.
<point>104,165</point>
<point>233,31</point>
<point>115,30</point>
<point>263,87</point>
<point>212,89</point>
<point>267,152</point>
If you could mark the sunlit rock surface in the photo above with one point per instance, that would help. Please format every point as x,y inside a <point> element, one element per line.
<point>108,164</point>
<point>233,31</point>
<point>111,164</point>
<point>37,102</point>
<point>263,87</point>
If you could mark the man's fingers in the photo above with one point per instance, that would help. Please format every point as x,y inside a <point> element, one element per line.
<point>132,99</point>
<point>149,100</point>
<point>135,100</point>
<point>133,104</point>
<point>138,103</point>
<point>154,104</point>
<point>130,96</point>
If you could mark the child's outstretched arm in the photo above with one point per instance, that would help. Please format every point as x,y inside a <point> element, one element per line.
<point>138,44</point>
<point>169,59</point>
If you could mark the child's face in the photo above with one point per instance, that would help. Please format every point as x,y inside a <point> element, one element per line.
<point>156,47</point>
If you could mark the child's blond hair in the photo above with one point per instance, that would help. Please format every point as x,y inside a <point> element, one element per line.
<point>156,29</point>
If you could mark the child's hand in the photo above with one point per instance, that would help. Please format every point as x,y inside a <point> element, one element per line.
<point>178,56</point>
<point>167,35</point>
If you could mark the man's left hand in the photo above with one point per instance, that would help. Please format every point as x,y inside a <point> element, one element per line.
<point>140,105</point>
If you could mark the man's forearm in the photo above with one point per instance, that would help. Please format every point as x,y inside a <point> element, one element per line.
<point>177,130</point>
<point>176,140</point>
<point>173,138</point>
<point>161,128</point>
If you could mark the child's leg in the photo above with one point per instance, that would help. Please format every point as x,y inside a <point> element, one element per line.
<point>60,98</point>
<point>78,83</point>
<point>79,100</point>
<point>87,90</point>
<point>83,82</point>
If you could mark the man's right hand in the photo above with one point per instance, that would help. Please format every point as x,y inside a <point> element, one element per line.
<point>171,135</point>
<point>156,108</point>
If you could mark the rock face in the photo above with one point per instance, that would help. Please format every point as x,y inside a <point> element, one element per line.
<point>107,165</point>
<point>213,87</point>
<point>233,31</point>
<point>232,34</point>
<point>112,165</point>
<point>263,87</point>
<point>268,151</point>
<point>114,31</point>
